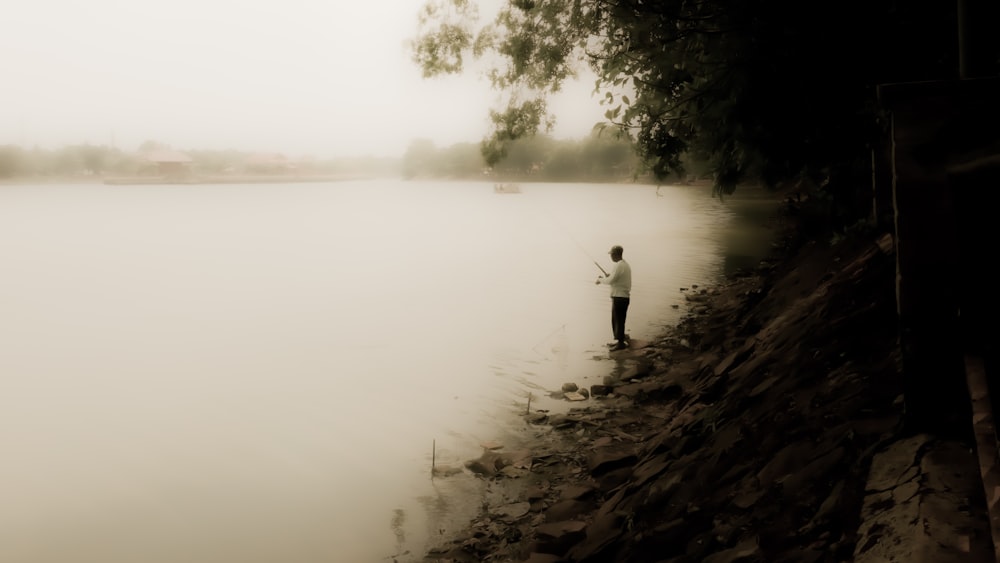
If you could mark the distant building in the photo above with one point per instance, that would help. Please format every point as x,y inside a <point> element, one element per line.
<point>165,162</point>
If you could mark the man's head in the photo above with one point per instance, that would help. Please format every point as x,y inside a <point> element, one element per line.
<point>616,253</point>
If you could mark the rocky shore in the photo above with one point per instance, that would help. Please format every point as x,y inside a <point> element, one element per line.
<point>766,426</point>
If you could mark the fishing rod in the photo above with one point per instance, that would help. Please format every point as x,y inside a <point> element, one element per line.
<point>601,269</point>
<point>584,250</point>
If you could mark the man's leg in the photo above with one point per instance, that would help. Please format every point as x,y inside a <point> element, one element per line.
<point>614,323</point>
<point>624,314</point>
<point>619,310</point>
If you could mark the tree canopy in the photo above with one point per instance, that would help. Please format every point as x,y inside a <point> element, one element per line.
<point>762,91</point>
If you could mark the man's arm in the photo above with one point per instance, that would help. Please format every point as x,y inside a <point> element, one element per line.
<point>615,275</point>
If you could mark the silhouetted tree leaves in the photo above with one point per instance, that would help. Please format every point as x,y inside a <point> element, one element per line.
<point>759,91</point>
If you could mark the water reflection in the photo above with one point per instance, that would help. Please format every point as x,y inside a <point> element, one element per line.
<point>397,525</point>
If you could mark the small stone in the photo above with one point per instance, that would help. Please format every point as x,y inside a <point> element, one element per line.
<point>601,390</point>
<point>748,499</point>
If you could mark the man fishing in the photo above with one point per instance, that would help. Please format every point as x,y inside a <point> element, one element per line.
<point>620,281</point>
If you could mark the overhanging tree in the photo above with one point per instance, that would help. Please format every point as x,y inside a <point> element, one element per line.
<point>761,91</point>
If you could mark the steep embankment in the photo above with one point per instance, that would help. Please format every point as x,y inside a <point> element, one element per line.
<point>748,434</point>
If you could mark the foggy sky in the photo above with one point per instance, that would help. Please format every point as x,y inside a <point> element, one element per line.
<point>304,77</point>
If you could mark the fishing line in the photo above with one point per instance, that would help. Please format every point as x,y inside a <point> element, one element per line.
<point>547,336</point>
<point>566,232</point>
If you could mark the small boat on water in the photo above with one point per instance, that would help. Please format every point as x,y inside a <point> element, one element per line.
<point>506,188</point>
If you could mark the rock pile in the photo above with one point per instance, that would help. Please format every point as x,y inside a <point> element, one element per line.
<point>747,434</point>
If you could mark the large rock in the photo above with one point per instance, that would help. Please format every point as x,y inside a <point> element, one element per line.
<point>486,465</point>
<point>557,537</point>
<point>513,511</point>
<point>607,459</point>
<point>575,491</point>
<point>650,390</point>
<point>910,515</point>
<point>535,557</point>
<point>567,510</point>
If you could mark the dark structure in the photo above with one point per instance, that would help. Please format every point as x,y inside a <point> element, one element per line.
<point>934,178</point>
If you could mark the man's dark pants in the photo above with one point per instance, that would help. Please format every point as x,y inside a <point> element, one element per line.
<point>619,309</point>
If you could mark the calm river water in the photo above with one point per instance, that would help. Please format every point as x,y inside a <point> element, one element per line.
<point>257,373</point>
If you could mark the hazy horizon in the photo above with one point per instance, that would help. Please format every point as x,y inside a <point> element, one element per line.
<point>300,77</point>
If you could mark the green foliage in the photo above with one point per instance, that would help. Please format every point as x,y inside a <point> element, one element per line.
<point>440,50</point>
<point>515,122</point>
<point>422,160</point>
<point>766,92</point>
<point>599,158</point>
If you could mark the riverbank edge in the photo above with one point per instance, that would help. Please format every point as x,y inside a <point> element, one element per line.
<point>765,426</point>
<point>230,179</point>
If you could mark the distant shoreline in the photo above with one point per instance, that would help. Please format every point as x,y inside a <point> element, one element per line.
<point>242,179</point>
<point>279,179</point>
<point>188,180</point>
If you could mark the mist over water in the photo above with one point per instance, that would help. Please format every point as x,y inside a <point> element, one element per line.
<point>257,373</point>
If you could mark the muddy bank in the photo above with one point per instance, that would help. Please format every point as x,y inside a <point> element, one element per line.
<point>767,426</point>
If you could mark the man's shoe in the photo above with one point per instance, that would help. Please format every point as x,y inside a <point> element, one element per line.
<point>619,346</point>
